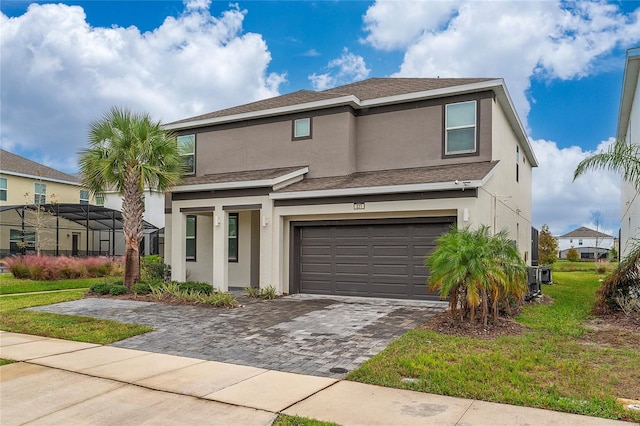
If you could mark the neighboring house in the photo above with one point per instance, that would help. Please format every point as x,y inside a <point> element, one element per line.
<point>629,131</point>
<point>344,191</point>
<point>589,243</point>
<point>72,222</point>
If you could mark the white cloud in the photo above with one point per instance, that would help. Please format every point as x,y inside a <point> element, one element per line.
<point>345,69</point>
<point>563,203</point>
<point>516,40</point>
<point>59,73</point>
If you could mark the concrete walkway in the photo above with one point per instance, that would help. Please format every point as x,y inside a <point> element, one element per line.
<point>72,383</point>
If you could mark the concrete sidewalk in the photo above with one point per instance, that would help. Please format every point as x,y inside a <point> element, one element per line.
<point>63,382</point>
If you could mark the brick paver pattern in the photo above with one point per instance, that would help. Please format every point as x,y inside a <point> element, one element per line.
<point>299,334</point>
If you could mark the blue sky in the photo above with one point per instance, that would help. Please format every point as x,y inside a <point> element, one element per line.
<point>562,62</point>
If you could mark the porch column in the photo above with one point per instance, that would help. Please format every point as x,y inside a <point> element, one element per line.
<point>266,247</point>
<point>220,250</point>
<point>178,245</point>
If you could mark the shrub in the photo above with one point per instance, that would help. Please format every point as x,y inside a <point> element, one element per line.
<point>252,292</point>
<point>141,288</point>
<point>117,290</point>
<point>153,268</point>
<point>200,287</point>
<point>265,293</point>
<point>573,255</point>
<point>101,288</point>
<point>222,300</point>
<point>602,267</point>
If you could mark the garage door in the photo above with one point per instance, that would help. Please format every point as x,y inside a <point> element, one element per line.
<point>376,259</point>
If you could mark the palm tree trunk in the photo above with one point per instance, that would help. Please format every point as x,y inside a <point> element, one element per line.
<point>132,211</point>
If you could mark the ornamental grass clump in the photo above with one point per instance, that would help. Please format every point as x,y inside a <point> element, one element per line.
<point>477,272</point>
<point>51,268</point>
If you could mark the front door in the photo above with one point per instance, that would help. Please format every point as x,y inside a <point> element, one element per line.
<point>75,239</point>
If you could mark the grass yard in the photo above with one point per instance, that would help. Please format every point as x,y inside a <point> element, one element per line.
<point>11,285</point>
<point>69,327</point>
<point>284,420</point>
<point>559,364</point>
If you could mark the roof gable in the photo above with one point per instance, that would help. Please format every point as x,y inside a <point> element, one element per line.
<point>584,232</point>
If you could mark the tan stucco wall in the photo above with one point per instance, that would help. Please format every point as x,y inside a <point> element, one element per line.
<point>270,146</point>
<point>18,186</point>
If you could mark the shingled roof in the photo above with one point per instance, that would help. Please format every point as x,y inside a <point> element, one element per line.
<point>363,90</point>
<point>584,232</point>
<point>15,164</point>
<point>386,178</point>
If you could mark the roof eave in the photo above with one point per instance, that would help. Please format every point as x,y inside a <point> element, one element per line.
<point>260,183</point>
<point>629,84</point>
<point>42,178</point>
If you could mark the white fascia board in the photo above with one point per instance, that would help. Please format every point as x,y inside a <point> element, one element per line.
<point>45,179</point>
<point>435,93</point>
<point>240,184</point>
<point>342,100</point>
<point>375,190</point>
<point>629,84</point>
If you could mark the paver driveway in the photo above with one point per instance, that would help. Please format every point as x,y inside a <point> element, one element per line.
<point>299,334</point>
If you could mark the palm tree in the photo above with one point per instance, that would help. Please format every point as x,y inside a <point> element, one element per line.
<point>621,157</point>
<point>474,269</point>
<point>128,153</point>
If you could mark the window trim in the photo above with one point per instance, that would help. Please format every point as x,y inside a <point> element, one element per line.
<point>193,237</point>
<point>293,129</point>
<point>192,154</point>
<point>4,189</point>
<point>235,259</point>
<point>476,151</point>
<point>43,195</point>
<point>87,198</point>
<point>100,199</point>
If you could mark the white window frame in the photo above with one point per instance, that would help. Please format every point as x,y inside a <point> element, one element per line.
<point>306,135</point>
<point>99,199</point>
<point>86,198</point>
<point>4,192</point>
<point>39,197</point>
<point>191,154</point>
<point>466,126</point>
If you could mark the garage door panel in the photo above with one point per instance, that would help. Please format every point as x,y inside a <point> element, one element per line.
<point>379,260</point>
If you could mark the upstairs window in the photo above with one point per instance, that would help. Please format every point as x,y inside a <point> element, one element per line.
<point>460,132</point>
<point>187,151</point>
<point>302,128</point>
<point>84,196</point>
<point>517,164</point>
<point>191,238</point>
<point>3,189</point>
<point>100,199</point>
<point>40,193</point>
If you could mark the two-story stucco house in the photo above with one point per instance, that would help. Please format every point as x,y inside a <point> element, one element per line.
<point>344,191</point>
<point>629,131</point>
<point>589,243</point>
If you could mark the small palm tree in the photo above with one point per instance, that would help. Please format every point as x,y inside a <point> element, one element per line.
<point>475,270</point>
<point>128,153</point>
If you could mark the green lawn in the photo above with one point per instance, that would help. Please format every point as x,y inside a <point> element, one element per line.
<point>11,285</point>
<point>284,420</point>
<point>555,365</point>
<point>5,362</point>
<point>69,327</point>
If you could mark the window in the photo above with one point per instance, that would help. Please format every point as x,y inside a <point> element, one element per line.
<point>302,128</point>
<point>84,196</point>
<point>580,242</point>
<point>20,244</point>
<point>233,237</point>
<point>460,134</point>
<point>100,199</point>
<point>40,193</point>
<point>191,238</point>
<point>3,189</point>
<point>187,150</point>
<point>517,163</point>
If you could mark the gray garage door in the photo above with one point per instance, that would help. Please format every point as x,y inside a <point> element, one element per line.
<point>373,260</point>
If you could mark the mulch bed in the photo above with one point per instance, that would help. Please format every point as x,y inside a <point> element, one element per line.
<point>445,324</point>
